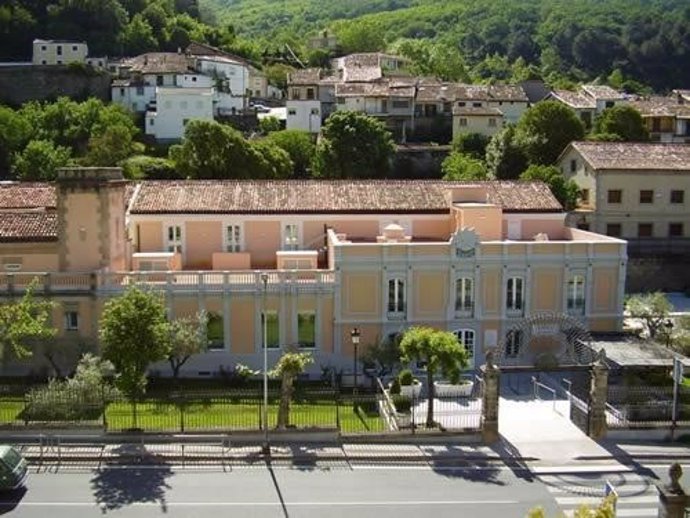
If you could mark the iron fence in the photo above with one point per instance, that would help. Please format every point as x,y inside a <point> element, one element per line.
<point>233,410</point>
<point>646,407</point>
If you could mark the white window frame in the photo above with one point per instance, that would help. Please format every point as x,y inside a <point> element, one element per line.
<point>174,242</point>
<point>71,318</point>
<point>397,306</point>
<point>218,345</point>
<point>233,241</point>
<point>291,242</point>
<point>462,305</point>
<point>576,294</point>
<point>311,313</point>
<point>468,338</point>
<point>515,305</point>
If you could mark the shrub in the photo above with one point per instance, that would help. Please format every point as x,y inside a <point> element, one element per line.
<point>406,377</point>
<point>395,387</point>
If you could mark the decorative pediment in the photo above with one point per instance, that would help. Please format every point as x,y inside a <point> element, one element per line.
<point>465,242</point>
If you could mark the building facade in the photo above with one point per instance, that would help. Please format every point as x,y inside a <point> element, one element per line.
<point>174,107</point>
<point>312,259</point>
<point>59,52</point>
<point>634,191</point>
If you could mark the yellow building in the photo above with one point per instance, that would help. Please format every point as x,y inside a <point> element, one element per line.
<point>634,191</point>
<point>316,258</point>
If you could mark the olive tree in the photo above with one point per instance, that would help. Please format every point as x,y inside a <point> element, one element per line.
<point>289,366</point>
<point>441,351</point>
<point>651,308</point>
<point>188,336</point>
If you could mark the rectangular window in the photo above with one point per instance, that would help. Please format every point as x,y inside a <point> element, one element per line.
<point>401,104</point>
<point>71,321</point>
<point>59,50</point>
<point>464,295</point>
<point>214,332</point>
<point>462,104</point>
<point>476,105</point>
<point>573,165</point>
<point>615,196</point>
<point>151,122</point>
<point>644,230</point>
<point>513,343</point>
<point>677,196</point>
<point>292,111</point>
<point>341,100</point>
<point>43,47</point>
<point>396,296</point>
<point>159,80</point>
<point>466,338</point>
<point>384,106</point>
<point>462,122</point>
<point>576,294</point>
<point>233,236</point>
<point>295,94</point>
<point>291,239</point>
<point>614,230</point>
<point>492,122</point>
<point>140,90</point>
<point>514,295</point>
<point>314,111</point>
<point>174,239</point>
<point>310,94</point>
<point>675,230</point>
<point>646,196</point>
<point>270,326</point>
<point>122,92</point>
<point>306,329</point>
<point>74,48</point>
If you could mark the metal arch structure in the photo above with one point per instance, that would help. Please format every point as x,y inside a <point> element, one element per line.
<point>546,341</point>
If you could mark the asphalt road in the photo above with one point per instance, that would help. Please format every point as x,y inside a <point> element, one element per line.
<point>313,490</point>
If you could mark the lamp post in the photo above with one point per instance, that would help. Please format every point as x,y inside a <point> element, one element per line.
<point>266,448</point>
<point>354,335</point>
<point>668,326</point>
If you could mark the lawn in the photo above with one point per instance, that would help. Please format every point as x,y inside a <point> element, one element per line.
<point>224,414</point>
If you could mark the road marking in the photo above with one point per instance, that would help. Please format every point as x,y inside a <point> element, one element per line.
<point>627,487</point>
<point>602,468</point>
<point>596,500</point>
<point>383,503</point>
<point>648,511</point>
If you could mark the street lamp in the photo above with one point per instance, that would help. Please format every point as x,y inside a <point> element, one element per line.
<point>354,335</point>
<point>266,448</point>
<point>668,325</point>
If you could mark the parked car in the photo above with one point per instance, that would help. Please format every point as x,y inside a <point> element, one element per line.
<point>260,108</point>
<point>13,468</point>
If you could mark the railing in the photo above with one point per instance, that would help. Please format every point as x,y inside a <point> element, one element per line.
<point>207,281</point>
<point>537,385</point>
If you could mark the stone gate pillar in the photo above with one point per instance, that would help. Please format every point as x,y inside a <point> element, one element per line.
<point>598,396</point>
<point>492,382</point>
<point>672,497</point>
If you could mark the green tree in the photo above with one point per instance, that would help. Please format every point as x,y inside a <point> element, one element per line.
<point>138,36</point>
<point>139,167</point>
<point>111,147</point>
<point>134,333</point>
<point>566,192</point>
<point>440,351</point>
<point>269,125</point>
<point>354,145</point>
<point>472,144</point>
<point>457,166</point>
<point>216,151</point>
<point>40,160</point>
<point>546,129</point>
<point>624,121</point>
<point>22,321</point>
<point>299,145</point>
<point>651,308</point>
<point>15,132</point>
<point>188,336</point>
<point>290,365</point>
<point>505,159</point>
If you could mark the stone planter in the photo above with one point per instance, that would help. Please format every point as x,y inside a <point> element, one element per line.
<point>463,389</point>
<point>411,391</point>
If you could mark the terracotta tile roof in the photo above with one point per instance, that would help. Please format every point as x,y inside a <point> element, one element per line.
<point>28,226</point>
<point>329,196</point>
<point>463,92</point>
<point>574,99</point>
<point>380,89</point>
<point>508,93</point>
<point>434,93</point>
<point>660,107</point>
<point>27,195</point>
<point>362,73</point>
<point>201,49</point>
<point>635,155</point>
<point>602,92</point>
<point>160,63</point>
<point>306,76</point>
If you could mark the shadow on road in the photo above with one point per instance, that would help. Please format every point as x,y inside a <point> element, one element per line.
<point>9,500</point>
<point>114,488</point>
<point>512,458</point>
<point>476,467</point>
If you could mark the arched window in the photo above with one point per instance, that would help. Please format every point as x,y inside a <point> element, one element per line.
<point>466,338</point>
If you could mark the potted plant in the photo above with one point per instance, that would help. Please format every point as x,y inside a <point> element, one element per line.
<point>453,388</point>
<point>410,386</point>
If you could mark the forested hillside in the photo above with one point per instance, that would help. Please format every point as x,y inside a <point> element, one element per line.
<point>647,41</point>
